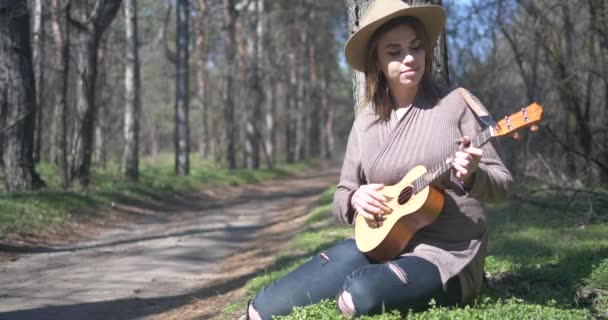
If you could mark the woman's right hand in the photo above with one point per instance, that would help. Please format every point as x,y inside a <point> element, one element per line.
<point>370,203</point>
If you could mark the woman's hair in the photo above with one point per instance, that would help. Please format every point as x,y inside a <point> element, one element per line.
<point>376,88</point>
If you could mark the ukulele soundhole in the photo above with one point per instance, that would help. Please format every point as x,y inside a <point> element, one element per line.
<point>405,195</point>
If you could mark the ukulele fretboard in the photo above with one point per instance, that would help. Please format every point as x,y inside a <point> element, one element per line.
<point>437,170</point>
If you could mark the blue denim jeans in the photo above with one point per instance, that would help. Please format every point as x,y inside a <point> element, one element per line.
<point>404,283</point>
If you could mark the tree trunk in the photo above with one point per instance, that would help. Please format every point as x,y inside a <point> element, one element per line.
<point>130,156</point>
<point>269,121</point>
<point>230,15</point>
<point>201,74</point>
<point>354,10</point>
<point>86,66</point>
<point>17,97</point>
<point>59,146</point>
<point>599,13</point>
<point>326,135</point>
<point>182,103</point>
<point>567,92</point>
<point>240,88</point>
<point>271,92</point>
<point>440,54</point>
<point>90,27</point>
<point>291,103</point>
<point>255,88</point>
<point>312,99</point>
<point>102,101</point>
<point>37,54</point>
<point>301,68</point>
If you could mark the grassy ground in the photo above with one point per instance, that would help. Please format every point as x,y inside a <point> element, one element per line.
<point>548,257</point>
<point>27,213</point>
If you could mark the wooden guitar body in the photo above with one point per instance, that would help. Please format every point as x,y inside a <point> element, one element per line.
<point>410,212</point>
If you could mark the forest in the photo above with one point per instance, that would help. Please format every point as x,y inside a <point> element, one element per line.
<point>97,95</point>
<point>245,84</point>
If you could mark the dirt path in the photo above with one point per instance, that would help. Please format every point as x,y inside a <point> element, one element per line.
<point>184,250</point>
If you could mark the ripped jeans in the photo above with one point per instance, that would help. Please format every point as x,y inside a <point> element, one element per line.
<point>404,283</point>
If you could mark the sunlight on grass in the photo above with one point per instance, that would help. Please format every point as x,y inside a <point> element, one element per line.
<point>510,309</point>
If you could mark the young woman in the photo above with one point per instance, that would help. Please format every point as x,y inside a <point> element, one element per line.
<point>406,121</point>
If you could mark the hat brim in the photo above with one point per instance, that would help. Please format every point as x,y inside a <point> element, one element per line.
<point>432,17</point>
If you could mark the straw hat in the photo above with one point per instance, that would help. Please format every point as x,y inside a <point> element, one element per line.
<point>380,11</point>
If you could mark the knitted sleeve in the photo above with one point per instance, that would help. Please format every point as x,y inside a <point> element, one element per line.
<point>351,178</point>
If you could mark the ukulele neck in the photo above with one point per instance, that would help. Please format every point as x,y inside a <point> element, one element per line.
<point>439,169</point>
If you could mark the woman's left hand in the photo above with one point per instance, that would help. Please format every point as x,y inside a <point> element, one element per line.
<point>466,161</point>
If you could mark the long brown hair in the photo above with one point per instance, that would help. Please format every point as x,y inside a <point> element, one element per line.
<point>376,88</point>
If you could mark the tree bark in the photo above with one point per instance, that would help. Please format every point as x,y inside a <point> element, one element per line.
<point>182,103</point>
<point>38,36</point>
<point>271,93</point>
<point>90,27</point>
<point>17,97</point>
<point>102,101</point>
<point>201,75</point>
<point>354,11</point>
<point>291,103</point>
<point>599,13</point>
<point>59,146</point>
<point>301,68</point>
<point>240,85</point>
<point>130,156</point>
<point>326,136</point>
<point>230,15</point>
<point>440,54</point>
<point>254,80</point>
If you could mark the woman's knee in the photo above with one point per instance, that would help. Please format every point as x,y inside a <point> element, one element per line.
<point>358,296</point>
<point>270,301</point>
<point>319,278</point>
<point>252,313</point>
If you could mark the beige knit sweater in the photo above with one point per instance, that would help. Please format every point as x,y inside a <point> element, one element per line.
<point>384,151</point>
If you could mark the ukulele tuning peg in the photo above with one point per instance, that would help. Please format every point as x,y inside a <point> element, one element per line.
<point>534,128</point>
<point>517,136</point>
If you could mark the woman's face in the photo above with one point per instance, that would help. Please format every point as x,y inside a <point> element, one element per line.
<point>401,57</point>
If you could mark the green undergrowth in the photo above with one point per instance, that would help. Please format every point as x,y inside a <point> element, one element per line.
<point>545,248</point>
<point>27,213</point>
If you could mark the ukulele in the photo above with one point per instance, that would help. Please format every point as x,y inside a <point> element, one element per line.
<point>414,204</point>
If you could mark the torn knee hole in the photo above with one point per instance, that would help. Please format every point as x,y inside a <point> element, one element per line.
<point>399,272</point>
<point>324,257</point>
<point>346,304</point>
<point>253,314</point>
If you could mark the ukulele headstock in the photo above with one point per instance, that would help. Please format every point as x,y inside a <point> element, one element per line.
<point>528,116</point>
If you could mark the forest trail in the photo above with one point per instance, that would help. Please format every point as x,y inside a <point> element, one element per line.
<point>184,250</point>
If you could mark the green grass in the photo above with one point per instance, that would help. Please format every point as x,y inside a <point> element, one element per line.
<point>539,246</point>
<point>28,213</point>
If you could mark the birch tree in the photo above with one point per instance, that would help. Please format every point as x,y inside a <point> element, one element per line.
<point>254,81</point>
<point>61,37</point>
<point>130,158</point>
<point>38,52</point>
<point>201,75</point>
